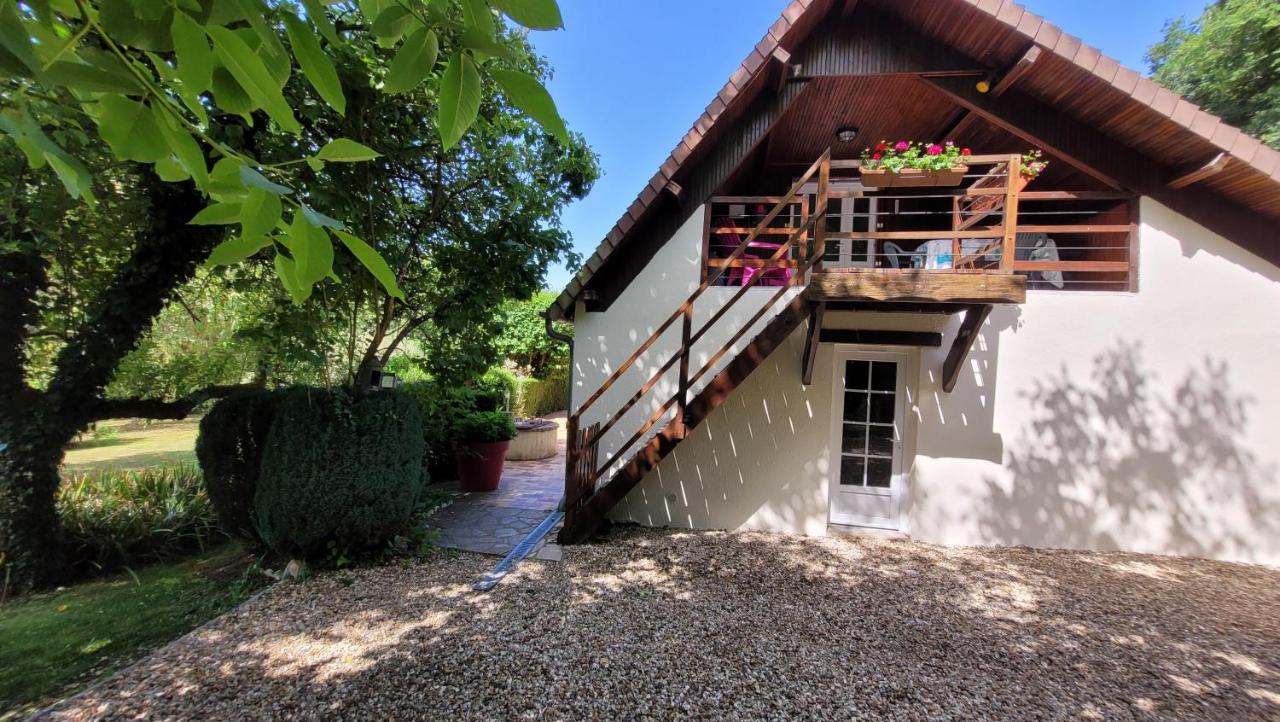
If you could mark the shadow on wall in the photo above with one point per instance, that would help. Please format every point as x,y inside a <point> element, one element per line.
<point>760,460</point>
<point>1114,462</point>
<point>961,424</point>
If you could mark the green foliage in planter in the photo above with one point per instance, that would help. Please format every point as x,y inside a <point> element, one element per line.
<point>232,438</point>
<point>339,472</point>
<point>485,427</point>
<point>116,518</point>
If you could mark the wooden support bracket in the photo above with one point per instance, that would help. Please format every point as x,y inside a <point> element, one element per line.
<point>880,337</point>
<point>1187,176</point>
<point>970,327</point>
<point>1019,68</point>
<point>811,342</point>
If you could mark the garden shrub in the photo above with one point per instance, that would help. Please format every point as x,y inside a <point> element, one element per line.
<point>485,427</point>
<point>340,474</point>
<point>496,389</point>
<point>119,518</point>
<point>232,437</point>
<point>537,397</point>
<point>442,407</point>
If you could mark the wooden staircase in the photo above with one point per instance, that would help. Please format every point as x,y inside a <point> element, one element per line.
<point>584,513</point>
<point>587,500</point>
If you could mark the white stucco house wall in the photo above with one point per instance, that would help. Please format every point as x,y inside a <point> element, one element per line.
<point>1141,414</point>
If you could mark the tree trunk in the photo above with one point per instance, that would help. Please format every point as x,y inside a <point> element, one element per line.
<point>39,427</point>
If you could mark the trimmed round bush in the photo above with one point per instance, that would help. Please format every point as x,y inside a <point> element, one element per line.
<point>340,473</point>
<point>232,437</point>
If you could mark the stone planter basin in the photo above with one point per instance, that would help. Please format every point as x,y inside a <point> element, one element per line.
<point>535,439</point>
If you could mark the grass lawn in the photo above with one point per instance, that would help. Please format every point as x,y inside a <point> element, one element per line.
<point>134,446</point>
<point>53,644</point>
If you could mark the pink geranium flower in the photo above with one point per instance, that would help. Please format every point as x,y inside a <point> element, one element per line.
<point>901,146</point>
<point>934,149</point>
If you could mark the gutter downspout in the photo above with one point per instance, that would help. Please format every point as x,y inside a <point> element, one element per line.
<point>568,341</point>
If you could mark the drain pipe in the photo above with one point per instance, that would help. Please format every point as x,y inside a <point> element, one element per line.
<point>568,341</point>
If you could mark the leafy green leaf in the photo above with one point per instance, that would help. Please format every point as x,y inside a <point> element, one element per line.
<point>236,249</point>
<point>319,18</point>
<point>259,213</point>
<point>345,150</point>
<point>129,128</point>
<point>253,77</point>
<point>459,99</point>
<point>226,182</point>
<point>312,252</point>
<point>414,61</point>
<point>170,171</point>
<point>316,218</point>
<point>228,94</point>
<point>527,94</point>
<point>533,14</point>
<point>391,23</point>
<point>143,25</point>
<point>195,58</point>
<point>371,260</point>
<point>183,147</point>
<point>315,64</point>
<point>484,44</point>
<point>217,214</point>
<point>286,269</point>
<point>14,39</point>
<point>80,76</point>
<point>74,176</point>
<point>254,179</point>
<point>477,16</point>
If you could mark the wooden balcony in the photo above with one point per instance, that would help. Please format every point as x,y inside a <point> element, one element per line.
<point>917,286</point>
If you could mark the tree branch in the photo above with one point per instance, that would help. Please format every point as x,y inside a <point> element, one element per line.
<point>140,408</point>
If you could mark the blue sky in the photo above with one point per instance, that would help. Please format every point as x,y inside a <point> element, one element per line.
<point>633,76</point>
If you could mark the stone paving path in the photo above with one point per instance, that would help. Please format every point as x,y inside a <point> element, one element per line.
<point>494,522</point>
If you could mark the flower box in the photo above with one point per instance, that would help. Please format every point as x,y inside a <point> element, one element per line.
<point>913,177</point>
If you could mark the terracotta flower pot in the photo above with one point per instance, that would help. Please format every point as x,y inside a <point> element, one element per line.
<point>480,465</point>
<point>913,177</point>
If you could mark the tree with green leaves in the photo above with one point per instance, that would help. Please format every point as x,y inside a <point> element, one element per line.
<point>191,94</point>
<point>1228,61</point>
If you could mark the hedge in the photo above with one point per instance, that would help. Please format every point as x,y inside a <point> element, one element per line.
<point>340,474</point>
<point>537,397</point>
<point>229,449</point>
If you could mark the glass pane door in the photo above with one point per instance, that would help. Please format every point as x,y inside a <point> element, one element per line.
<point>870,426</point>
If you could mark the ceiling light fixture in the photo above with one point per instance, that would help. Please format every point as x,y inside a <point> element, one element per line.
<point>847,134</point>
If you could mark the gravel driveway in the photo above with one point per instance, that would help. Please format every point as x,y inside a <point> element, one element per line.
<point>660,625</point>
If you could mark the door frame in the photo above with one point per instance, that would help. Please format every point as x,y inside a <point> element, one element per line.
<point>898,482</point>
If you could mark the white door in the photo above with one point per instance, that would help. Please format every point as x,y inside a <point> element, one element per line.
<point>867,480</point>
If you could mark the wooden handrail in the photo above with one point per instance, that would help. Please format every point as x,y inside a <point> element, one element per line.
<point>594,435</point>
<point>687,345</point>
<point>710,281</point>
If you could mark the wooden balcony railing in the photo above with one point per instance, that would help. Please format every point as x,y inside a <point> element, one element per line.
<point>987,226</point>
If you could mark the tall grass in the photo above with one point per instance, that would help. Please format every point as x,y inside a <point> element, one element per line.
<point>123,518</point>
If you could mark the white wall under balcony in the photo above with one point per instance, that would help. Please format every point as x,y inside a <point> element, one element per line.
<point>1142,421</point>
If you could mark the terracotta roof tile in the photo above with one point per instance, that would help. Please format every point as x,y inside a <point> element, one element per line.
<point>1030,23</point>
<point>1126,80</point>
